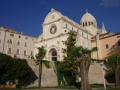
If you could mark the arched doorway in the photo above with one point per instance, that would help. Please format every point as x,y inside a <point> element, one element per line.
<point>53,54</point>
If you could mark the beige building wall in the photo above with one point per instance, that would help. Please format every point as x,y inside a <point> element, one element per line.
<point>16,44</point>
<point>107,44</point>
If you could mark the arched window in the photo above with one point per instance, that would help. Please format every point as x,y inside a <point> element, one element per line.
<point>92,23</point>
<point>18,43</point>
<point>86,24</point>
<point>107,46</point>
<point>119,43</point>
<point>17,52</point>
<point>53,54</point>
<point>66,25</point>
<point>83,24</point>
<point>25,53</point>
<point>9,51</point>
<point>72,28</point>
<point>89,23</point>
<point>9,41</point>
<point>25,44</point>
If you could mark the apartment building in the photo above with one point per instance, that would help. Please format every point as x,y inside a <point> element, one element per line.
<point>16,44</point>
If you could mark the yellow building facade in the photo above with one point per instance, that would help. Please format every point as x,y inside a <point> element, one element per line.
<point>107,44</point>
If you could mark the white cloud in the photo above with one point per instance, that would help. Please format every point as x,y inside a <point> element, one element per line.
<point>110,3</point>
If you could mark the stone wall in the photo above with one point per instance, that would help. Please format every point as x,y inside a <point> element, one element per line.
<point>49,78</point>
<point>96,74</point>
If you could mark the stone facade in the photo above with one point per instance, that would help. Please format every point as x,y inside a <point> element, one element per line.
<point>55,29</point>
<point>16,44</point>
<point>96,74</point>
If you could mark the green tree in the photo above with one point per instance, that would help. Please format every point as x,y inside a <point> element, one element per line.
<point>39,57</point>
<point>83,58</point>
<point>114,64</point>
<point>68,65</point>
<point>12,69</point>
<point>76,62</point>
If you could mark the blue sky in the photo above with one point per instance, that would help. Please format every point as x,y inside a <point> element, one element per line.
<point>27,16</point>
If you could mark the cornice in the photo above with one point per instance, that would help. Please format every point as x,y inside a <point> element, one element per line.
<point>75,25</point>
<point>52,37</point>
<point>52,22</point>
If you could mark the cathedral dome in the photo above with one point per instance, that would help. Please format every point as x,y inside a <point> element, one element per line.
<point>88,20</point>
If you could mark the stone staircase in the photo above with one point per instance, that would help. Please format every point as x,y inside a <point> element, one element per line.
<point>48,79</point>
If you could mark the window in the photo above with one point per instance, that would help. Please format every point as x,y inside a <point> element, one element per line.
<point>82,34</point>
<point>89,23</point>
<point>9,41</point>
<point>107,46</point>
<point>119,43</point>
<point>72,28</point>
<point>26,38</point>
<point>25,53</point>
<point>18,43</point>
<point>83,25</point>
<point>19,36</point>
<point>66,25</point>
<point>12,35</point>
<point>9,51</point>
<point>31,53</point>
<point>63,42</point>
<point>87,36</point>
<point>17,51</point>
<point>25,44</point>
<point>86,24</point>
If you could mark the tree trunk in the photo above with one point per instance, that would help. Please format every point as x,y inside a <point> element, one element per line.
<point>117,75</point>
<point>84,75</point>
<point>40,74</point>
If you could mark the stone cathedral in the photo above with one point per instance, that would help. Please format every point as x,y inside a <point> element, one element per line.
<point>55,28</point>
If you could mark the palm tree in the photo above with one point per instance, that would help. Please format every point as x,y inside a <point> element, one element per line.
<point>114,63</point>
<point>39,57</point>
